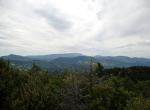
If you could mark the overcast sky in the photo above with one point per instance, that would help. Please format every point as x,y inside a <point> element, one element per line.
<point>104,27</point>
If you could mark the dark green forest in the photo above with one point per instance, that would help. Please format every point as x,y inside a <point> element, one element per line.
<point>97,89</point>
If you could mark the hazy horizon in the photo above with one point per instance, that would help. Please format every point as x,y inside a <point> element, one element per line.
<point>74,53</point>
<point>90,27</point>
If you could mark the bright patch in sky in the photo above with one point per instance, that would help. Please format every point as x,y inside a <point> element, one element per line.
<point>104,27</point>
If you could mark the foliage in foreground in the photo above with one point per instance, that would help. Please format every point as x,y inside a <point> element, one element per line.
<point>35,89</point>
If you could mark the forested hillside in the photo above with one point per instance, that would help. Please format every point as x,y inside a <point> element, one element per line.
<point>73,61</point>
<point>97,89</point>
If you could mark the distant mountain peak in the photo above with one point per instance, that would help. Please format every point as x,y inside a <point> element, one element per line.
<point>16,57</point>
<point>49,57</point>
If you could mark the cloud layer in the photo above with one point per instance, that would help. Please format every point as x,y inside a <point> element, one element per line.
<point>105,27</point>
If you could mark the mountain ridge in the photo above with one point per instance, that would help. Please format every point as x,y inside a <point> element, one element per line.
<point>75,60</point>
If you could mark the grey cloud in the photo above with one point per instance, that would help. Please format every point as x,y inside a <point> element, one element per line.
<point>99,14</point>
<point>141,44</point>
<point>7,44</point>
<point>55,19</point>
<point>138,23</point>
<point>140,26</point>
<point>2,36</point>
<point>22,26</point>
<point>126,23</point>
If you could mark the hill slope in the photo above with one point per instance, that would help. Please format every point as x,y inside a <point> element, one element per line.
<point>74,61</point>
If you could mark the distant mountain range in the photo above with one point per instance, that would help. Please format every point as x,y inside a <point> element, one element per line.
<point>54,56</point>
<point>76,61</point>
